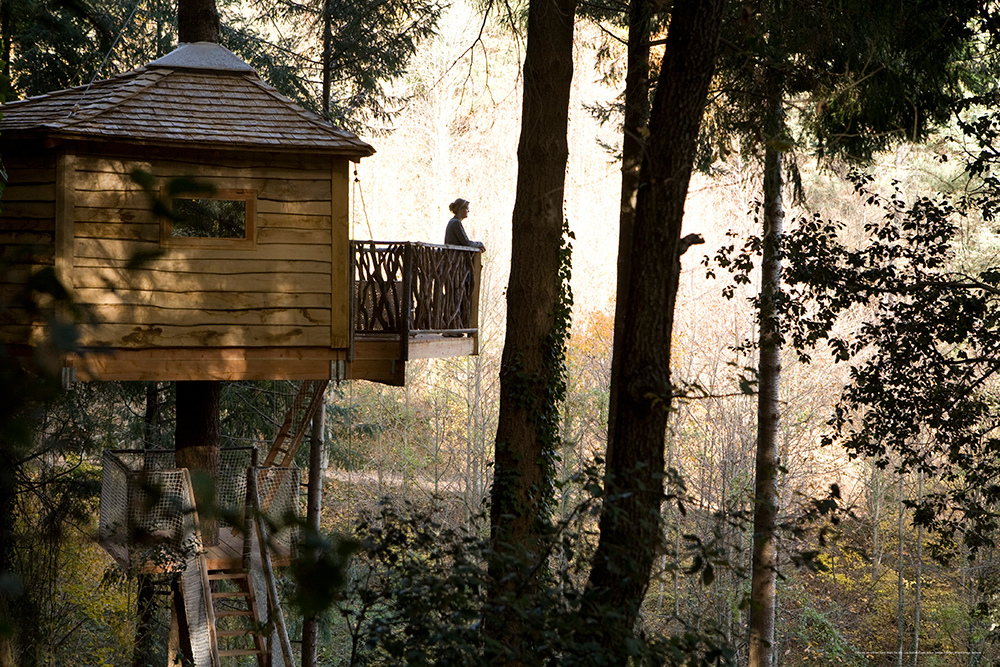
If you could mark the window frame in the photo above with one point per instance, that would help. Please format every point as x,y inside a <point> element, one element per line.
<point>248,242</point>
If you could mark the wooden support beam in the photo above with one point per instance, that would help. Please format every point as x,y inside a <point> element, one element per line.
<point>376,360</point>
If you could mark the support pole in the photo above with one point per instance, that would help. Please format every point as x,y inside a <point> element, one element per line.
<point>314,507</point>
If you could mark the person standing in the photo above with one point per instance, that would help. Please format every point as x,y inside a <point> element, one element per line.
<point>455,232</point>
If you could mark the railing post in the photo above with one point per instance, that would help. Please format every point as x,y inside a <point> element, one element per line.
<point>477,270</point>
<point>248,508</point>
<point>352,282</point>
<point>406,304</point>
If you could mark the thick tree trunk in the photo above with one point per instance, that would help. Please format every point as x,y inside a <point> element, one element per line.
<point>197,21</point>
<point>765,517</point>
<point>531,366</point>
<point>197,437</point>
<point>630,518</point>
<point>636,116</point>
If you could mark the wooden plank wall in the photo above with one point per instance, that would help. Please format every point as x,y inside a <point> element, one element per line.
<point>27,239</point>
<point>276,294</point>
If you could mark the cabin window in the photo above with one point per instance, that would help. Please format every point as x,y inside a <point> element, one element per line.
<point>223,220</point>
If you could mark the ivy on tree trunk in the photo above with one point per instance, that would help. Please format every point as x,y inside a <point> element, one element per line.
<point>532,381</point>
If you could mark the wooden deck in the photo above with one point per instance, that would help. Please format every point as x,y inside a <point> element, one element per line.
<point>227,554</point>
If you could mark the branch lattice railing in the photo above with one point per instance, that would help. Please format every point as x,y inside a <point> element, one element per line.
<point>407,288</point>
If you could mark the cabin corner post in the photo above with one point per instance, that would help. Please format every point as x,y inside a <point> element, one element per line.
<point>65,218</point>
<point>477,272</point>
<point>341,258</point>
<point>406,303</point>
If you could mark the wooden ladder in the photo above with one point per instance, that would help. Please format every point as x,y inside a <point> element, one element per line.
<point>237,630</point>
<point>297,420</point>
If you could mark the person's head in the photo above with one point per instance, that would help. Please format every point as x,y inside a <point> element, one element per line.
<point>459,208</point>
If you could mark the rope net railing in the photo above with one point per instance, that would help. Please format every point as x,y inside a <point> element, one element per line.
<point>278,491</point>
<point>439,280</point>
<point>147,519</point>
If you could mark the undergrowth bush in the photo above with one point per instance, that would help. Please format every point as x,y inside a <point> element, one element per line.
<point>416,594</point>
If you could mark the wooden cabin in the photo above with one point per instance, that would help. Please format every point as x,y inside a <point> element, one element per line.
<point>201,221</point>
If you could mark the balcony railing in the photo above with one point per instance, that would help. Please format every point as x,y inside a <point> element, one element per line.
<point>408,288</point>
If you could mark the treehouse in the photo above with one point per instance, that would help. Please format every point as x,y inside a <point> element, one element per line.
<point>199,223</point>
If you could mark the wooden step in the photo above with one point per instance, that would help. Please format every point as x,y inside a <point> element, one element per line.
<point>243,597</point>
<point>230,594</point>
<point>244,632</point>
<point>240,651</point>
<point>307,400</point>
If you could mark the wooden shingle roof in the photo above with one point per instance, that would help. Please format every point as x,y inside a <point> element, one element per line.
<point>200,94</point>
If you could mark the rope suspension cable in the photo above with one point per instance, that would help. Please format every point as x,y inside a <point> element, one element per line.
<point>359,193</point>
<point>121,31</point>
<point>350,429</point>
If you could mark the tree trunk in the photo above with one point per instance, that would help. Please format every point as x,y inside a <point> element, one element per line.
<point>8,598</point>
<point>531,366</point>
<point>5,30</point>
<point>314,508</point>
<point>765,516</point>
<point>151,420</point>
<point>327,55</point>
<point>179,653</point>
<point>900,580</point>
<point>197,21</point>
<point>630,526</point>
<point>145,586</point>
<point>197,437</point>
<point>635,118</point>
<point>917,582</point>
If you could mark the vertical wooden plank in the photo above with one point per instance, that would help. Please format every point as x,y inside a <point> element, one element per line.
<point>65,217</point>
<point>477,271</point>
<point>341,326</point>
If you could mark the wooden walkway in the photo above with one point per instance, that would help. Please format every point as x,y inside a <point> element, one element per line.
<point>228,554</point>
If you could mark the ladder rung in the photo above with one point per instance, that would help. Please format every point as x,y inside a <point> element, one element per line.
<point>241,651</point>
<point>216,576</point>
<point>235,633</point>
<point>230,594</point>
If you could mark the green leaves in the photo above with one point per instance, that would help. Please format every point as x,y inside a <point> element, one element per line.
<point>925,357</point>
